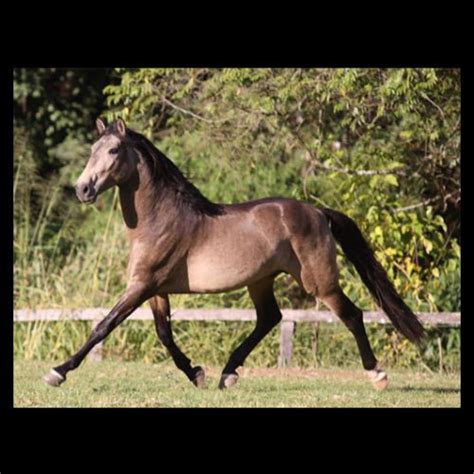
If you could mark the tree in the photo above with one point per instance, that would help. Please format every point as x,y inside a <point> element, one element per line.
<point>55,106</point>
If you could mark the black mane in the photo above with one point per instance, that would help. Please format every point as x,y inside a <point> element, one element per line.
<point>167,175</point>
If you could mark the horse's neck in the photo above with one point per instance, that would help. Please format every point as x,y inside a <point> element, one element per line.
<point>146,208</point>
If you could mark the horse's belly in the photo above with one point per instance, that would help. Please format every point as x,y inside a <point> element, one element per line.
<point>214,271</point>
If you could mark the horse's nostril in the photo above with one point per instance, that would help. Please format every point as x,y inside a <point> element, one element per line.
<point>84,192</point>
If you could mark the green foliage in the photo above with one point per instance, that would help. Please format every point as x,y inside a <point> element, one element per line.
<point>56,105</point>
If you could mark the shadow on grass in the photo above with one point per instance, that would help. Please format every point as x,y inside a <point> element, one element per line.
<point>430,389</point>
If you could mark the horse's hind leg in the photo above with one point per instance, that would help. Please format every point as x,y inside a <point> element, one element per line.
<point>351,316</point>
<point>318,275</point>
<point>268,316</point>
<point>161,313</point>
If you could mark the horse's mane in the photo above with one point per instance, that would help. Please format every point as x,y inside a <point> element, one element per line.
<point>167,175</point>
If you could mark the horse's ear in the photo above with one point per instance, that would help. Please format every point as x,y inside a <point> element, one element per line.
<point>121,128</point>
<point>100,125</point>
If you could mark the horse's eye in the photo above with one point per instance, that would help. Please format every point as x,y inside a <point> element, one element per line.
<point>113,151</point>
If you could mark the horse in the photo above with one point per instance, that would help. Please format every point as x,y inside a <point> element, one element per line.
<point>181,242</point>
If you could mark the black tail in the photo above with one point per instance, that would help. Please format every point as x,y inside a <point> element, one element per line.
<point>357,250</point>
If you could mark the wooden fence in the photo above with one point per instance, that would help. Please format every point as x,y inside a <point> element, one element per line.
<point>290,318</point>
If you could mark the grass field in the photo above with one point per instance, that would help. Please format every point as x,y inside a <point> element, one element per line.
<point>133,384</point>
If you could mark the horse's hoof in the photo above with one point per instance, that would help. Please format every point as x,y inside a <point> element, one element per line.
<point>379,378</point>
<point>227,380</point>
<point>53,378</point>
<point>200,378</point>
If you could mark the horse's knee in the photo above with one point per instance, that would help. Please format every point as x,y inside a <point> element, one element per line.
<point>275,318</point>
<point>268,319</point>
<point>99,331</point>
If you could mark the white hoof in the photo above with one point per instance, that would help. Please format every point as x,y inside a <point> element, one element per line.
<point>379,378</point>
<point>53,378</point>
<point>200,379</point>
<point>227,380</point>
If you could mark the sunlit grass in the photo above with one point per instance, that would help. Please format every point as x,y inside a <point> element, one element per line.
<point>132,384</point>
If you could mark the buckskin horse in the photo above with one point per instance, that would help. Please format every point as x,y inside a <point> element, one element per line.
<point>180,242</point>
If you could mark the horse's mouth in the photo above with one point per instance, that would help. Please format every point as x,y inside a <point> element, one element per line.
<point>89,200</point>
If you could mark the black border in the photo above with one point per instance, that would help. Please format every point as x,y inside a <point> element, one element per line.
<point>384,435</point>
<point>6,190</point>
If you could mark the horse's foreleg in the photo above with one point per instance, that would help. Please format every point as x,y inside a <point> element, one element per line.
<point>133,297</point>
<point>268,316</point>
<point>161,313</point>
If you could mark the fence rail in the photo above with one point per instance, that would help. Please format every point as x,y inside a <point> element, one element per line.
<point>287,328</point>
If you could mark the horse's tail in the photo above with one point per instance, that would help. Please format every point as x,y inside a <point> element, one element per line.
<point>357,250</point>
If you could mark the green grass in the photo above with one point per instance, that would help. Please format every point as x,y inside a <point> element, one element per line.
<point>138,384</point>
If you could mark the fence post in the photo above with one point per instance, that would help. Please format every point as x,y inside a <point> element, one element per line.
<point>286,343</point>
<point>96,353</point>
<point>440,350</point>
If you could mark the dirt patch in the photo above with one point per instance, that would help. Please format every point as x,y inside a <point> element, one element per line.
<point>294,373</point>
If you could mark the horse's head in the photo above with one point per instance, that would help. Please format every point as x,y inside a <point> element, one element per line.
<point>111,162</point>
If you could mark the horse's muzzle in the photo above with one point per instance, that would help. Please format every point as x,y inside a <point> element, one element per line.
<point>86,193</point>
